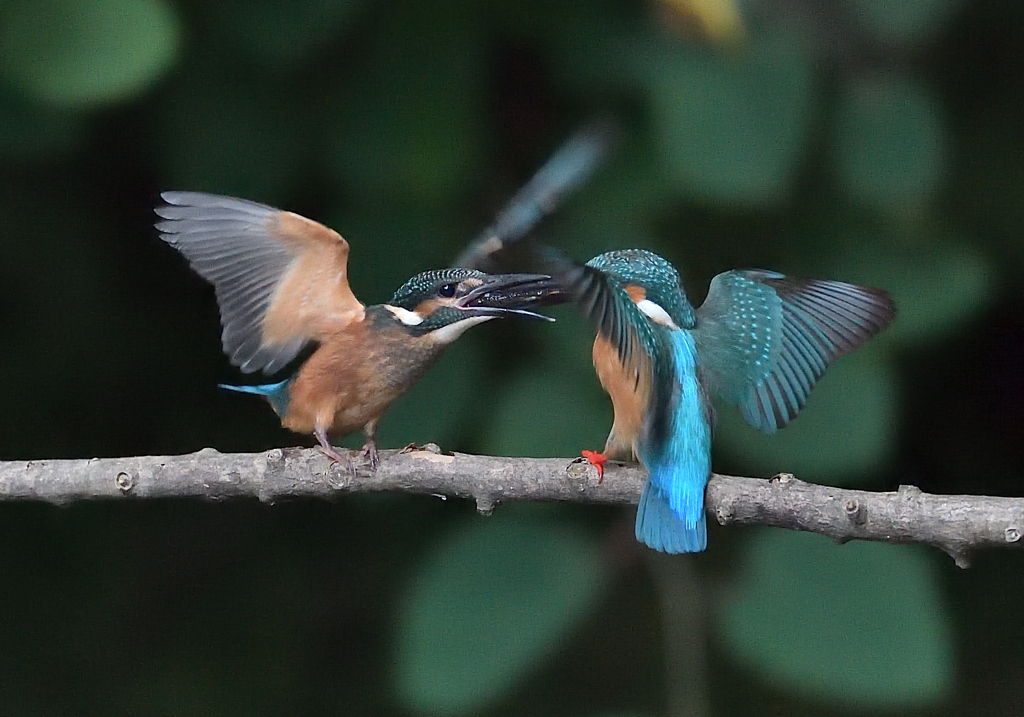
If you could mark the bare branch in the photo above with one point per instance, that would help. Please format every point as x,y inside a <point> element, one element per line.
<point>956,524</point>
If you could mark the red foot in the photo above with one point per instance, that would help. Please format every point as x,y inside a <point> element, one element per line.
<point>597,460</point>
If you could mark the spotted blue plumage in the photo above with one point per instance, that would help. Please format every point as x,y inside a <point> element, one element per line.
<point>764,339</point>
<point>760,340</point>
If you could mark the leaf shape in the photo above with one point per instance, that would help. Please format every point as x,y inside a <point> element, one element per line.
<point>733,129</point>
<point>81,52</point>
<point>490,600</point>
<point>904,20</point>
<point>410,128</point>
<point>280,34</point>
<point>861,624</point>
<point>890,144</point>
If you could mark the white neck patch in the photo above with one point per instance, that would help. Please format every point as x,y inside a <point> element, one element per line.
<point>447,334</point>
<point>409,318</point>
<point>656,313</point>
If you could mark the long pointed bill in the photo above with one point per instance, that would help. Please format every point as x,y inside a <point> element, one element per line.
<point>510,294</point>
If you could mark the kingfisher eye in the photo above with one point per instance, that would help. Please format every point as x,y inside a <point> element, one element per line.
<point>447,291</point>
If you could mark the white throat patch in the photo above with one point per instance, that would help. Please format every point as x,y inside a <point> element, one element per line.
<point>656,313</point>
<point>409,318</point>
<point>447,334</point>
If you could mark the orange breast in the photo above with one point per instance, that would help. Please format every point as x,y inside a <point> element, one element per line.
<point>354,376</point>
<point>630,390</point>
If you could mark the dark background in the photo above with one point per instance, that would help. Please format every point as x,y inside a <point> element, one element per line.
<point>878,142</point>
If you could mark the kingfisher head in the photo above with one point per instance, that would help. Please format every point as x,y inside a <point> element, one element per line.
<point>648,277</point>
<point>446,302</point>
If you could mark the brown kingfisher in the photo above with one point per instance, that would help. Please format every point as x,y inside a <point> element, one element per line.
<point>281,282</point>
<point>760,340</point>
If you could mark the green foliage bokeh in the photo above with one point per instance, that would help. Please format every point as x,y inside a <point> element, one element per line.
<point>876,142</point>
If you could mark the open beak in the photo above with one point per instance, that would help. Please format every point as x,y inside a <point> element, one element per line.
<point>510,294</point>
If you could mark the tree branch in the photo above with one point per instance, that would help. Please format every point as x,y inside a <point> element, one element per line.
<point>956,524</point>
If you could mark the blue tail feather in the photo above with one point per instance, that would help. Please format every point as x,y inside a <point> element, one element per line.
<point>277,394</point>
<point>671,513</point>
<point>660,528</point>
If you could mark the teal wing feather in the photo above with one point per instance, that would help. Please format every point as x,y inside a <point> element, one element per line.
<point>603,300</point>
<point>675,445</point>
<point>764,339</point>
<point>605,304</point>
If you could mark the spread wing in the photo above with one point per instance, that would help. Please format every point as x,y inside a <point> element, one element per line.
<point>605,304</point>
<point>281,280</point>
<point>615,316</point>
<point>764,339</point>
<point>567,169</point>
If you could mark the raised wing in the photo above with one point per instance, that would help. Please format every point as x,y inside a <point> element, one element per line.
<point>568,168</point>
<point>281,280</point>
<point>608,307</point>
<point>764,339</point>
<point>605,304</point>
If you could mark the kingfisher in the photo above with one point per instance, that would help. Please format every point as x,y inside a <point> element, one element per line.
<point>281,281</point>
<point>760,340</point>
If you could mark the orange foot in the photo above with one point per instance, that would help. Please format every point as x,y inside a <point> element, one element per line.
<point>597,460</point>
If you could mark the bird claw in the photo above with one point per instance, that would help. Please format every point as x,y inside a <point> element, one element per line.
<point>332,453</point>
<point>597,460</point>
<point>371,455</point>
<point>369,451</point>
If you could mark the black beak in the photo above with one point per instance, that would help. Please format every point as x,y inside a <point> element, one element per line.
<point>510,294</point>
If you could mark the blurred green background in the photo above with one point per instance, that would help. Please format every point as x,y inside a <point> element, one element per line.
<point>868,140</point>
